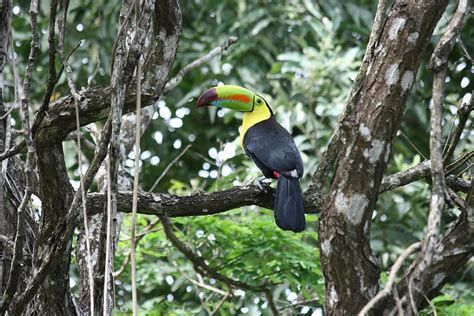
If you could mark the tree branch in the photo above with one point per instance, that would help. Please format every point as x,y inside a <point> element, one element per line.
<point>464,111</point>
<point>201,266</point>
<point>438,63</point>
<point>452,252</point>
<point>391,278</point>
<point>173,82</point>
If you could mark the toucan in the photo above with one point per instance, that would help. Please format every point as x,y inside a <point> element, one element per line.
<point>271,147</point>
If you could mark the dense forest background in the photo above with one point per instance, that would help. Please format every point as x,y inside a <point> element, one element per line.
<point>303,56</point>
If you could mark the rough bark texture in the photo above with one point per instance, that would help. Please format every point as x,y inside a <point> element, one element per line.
<point>369,126</point>
<point>5,17</point>
<point>53,296</point>
<point>161,54</point>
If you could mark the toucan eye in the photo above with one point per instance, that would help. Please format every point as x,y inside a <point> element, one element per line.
<point>259,101</point>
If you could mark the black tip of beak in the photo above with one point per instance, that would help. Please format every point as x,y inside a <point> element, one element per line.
<point>207,97</point>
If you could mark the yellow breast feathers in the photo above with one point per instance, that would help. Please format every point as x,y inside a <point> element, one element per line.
<point>259,113</point>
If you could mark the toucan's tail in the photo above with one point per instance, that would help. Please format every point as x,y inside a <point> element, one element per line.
<point>289,211</point>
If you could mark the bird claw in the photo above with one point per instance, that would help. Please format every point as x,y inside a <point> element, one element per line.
<point>263,183</point>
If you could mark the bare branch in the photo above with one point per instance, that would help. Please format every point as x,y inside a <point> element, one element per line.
<point>18,148</point>
<point>136,172</point>
<point>148,229</point>
<point>391,278</point>
<point>168,167</point>
<point>438,64</point>
<point>422,171</point>
<point>173,82</point>
<point>464,111</point>
<point>199,203</point>
<point>219,305</point>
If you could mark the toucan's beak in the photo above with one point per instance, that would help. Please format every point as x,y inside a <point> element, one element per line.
<point>231,97</point>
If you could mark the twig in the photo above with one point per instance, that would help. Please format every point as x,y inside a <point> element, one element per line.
<point>7,113</point>
<point>464,49</point>
<point>271,301</point>
<point>464,111</point>
<point>24,92</point>
<point>458,163</point>
<point>84,141</point>
<point>13,150</point>
<point>418,151</point>
<point>154,223</point>
<point>398,302</point>
<point>173,82</point>
<point>198,283</point>
<point>389,286</point>
<point>9,246</point>
<point>168,167</point>
<point>148,229</point>
<point>219,305</point>
<point>136,173</point>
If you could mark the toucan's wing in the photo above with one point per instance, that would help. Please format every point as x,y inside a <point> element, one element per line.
<point>272,148</point>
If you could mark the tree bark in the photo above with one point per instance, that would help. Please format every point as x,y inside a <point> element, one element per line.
<point>166,27</point>
<point>369,125</point>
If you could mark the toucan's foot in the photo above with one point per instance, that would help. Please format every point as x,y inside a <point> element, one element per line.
<point>263,183</point>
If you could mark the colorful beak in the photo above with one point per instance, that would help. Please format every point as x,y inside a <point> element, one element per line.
<point>231,97</point>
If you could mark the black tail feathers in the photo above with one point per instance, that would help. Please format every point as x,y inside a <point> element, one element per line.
<point>289,211</point>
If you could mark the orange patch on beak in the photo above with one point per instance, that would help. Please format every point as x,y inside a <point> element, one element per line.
<point>239,97</point>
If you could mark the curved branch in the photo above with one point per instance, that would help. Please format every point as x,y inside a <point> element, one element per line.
<point>202,266</point>
<point>391,278</point>
<point>59,120</point>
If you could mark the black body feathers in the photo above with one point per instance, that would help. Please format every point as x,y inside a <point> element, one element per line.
<point>275,153</point>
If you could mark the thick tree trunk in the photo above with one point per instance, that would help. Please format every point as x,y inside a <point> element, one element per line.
<point>54,296</point>
<point>368,126</point>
